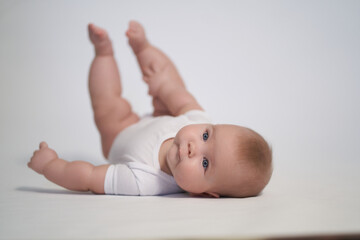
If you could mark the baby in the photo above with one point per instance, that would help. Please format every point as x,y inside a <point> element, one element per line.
<point>176,149</point>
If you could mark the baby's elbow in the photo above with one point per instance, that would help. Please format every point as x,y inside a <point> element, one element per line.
<point>97,188</point>
<point>97,179</point>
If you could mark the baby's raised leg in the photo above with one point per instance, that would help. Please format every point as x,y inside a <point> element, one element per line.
<point>112,112</point>
<point>156,67</point>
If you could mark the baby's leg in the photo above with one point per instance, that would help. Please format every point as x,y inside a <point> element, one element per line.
<point>112,112</point>
<point>153,64</point>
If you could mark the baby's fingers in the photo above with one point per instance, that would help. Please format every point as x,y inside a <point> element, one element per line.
<point>43,145</point>
<point>29,164</point>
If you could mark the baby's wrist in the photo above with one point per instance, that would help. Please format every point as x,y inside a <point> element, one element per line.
<point>48,164</point>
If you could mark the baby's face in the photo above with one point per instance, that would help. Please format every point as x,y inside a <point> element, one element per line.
<point>202,157</point>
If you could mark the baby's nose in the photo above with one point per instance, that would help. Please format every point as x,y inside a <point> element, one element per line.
<point>191,149</point>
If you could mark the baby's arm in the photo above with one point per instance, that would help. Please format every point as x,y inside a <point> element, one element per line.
<point>77,175</point>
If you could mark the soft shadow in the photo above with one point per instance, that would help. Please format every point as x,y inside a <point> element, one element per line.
<point>188,195</point>
<point>177,195</point>
<point>50,191</point>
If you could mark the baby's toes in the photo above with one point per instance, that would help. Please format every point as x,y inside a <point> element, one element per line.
<point>135,26</point>
<point>97,34</point>
<point>135,30</point>
<point>131,33</point>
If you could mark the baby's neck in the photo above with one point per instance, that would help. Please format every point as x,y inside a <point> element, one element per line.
<point>164,148</point>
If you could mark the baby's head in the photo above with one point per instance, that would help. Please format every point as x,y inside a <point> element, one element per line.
<point>220,160</point>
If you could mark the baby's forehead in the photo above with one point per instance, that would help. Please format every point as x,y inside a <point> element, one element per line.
<point>226,145</point>
<point>230,132</point>
<point>230,127</point>
<point>229,139</point>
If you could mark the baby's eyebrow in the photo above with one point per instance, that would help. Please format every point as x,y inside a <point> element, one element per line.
<point>213,140</point>
<point>213,130</point>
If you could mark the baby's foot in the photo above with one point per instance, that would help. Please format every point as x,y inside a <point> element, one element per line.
<point>136,35</point>
<point>100,39</point>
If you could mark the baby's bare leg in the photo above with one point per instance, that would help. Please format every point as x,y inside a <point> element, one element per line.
<point>153,64</point>
<point>112,112</point>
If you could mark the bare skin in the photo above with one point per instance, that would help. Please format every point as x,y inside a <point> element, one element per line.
<point>170,96</point>
<point>76,176</point>
<point>112,112</point>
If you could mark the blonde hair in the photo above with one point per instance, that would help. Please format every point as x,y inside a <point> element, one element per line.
<point>254,155</point>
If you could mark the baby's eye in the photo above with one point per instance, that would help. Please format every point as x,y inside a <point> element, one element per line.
<point>205,163</point>
<point>205,136</point>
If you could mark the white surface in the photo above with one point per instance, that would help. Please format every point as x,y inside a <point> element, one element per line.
<point>288,69</point>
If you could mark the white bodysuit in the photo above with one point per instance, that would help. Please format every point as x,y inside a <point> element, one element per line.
<point>135,168</point>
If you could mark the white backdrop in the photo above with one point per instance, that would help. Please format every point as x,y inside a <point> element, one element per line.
<point>288,69</point>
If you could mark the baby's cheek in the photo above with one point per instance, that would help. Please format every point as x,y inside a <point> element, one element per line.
<point>188,179</point>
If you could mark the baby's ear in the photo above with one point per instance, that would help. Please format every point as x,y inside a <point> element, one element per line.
<point>205,194</point>
<point>212,194</point>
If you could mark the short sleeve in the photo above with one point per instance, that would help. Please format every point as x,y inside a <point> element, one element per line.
<point>153,181</point>
<point>138,179</point>
<point>120,180</point>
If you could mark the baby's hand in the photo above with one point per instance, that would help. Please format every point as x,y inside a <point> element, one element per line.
<point>42,157</point>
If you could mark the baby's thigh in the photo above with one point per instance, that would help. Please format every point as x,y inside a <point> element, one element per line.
<point>117,117</point>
